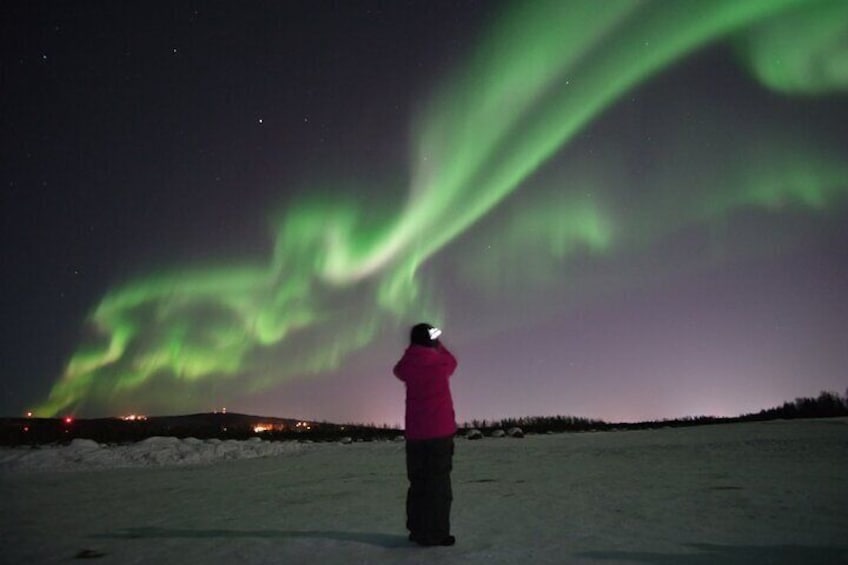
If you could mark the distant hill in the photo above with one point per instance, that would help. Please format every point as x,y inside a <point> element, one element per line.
<point>219,421</point>
<point>15,431</point>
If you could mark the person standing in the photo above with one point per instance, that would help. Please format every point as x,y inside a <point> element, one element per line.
<point>425,368</point>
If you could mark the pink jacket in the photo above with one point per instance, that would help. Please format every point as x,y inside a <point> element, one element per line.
<point>429,406</point>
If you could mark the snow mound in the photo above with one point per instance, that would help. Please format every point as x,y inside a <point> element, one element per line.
<point>154,451</point>
<point>515,432</point>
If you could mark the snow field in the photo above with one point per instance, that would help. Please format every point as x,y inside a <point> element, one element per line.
<point>774,492</point>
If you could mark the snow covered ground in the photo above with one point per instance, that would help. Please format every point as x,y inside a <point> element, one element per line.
<point>773,492</point>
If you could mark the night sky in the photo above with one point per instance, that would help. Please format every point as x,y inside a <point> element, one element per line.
<point>618,210</point>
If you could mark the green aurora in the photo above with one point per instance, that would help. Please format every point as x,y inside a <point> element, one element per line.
<point>539,76</point>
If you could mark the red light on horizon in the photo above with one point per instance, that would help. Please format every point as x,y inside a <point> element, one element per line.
<point>69,420</point>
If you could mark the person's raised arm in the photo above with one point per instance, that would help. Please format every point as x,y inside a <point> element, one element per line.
<point>447,357</point>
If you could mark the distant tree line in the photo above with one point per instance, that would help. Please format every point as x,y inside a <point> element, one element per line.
<point>539,424</point>
<point>37,431</point>
<point>826,405</point>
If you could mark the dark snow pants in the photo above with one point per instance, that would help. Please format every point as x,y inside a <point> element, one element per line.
<point>428,500</point>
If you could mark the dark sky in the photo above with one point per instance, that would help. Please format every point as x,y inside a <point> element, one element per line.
<point>624,215</point>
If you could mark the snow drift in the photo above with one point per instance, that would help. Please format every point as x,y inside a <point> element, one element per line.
<point>154,451</point>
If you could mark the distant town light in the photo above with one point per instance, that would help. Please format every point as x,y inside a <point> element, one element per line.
<point>29,414</point>
<point>68,420</point>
